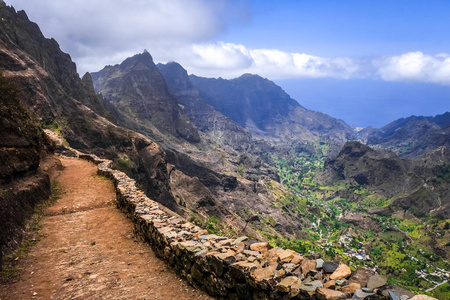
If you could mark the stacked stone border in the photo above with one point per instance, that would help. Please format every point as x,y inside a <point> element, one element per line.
<point>238,268</point>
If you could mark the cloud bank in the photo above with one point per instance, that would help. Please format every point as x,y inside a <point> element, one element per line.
<point>101,32</point>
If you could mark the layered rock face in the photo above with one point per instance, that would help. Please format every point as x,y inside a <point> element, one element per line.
<point>267,112</point>
<point>22,183</point>
<point>410,137</point>
<point>52,90</point>
<point>417,183</point>
<point>220,128</point>
<point>138,90</point>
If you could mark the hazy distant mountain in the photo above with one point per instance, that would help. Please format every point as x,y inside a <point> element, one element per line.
<point>264,109</point>
<point>412,136</point>
<point>220,128</point>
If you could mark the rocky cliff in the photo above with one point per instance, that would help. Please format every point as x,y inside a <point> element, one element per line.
<point>412,136</point>
<point>23,184</point>
<point>218,127</point>
<point>419,185</point>
<point>267,112</point>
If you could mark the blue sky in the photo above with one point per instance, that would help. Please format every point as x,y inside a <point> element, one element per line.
<point>366,62</point>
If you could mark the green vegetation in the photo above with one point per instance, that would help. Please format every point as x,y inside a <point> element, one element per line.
<point>398,245</point>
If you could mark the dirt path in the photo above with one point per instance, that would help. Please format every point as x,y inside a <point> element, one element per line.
<point>88,250</point>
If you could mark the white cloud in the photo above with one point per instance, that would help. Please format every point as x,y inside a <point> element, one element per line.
<point>415,66</point>
<point>101,32</point>
<point>230,60</point>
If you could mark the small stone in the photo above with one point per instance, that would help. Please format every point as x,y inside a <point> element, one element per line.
<point>376,281</point>
<point>330,284</point>
<point>261,247</point>
<point>329,267</point>
<point>263,273</point>
<point>351,288</point>
<point>286,256</point>
<point>422,297</point>
<point>343,271</point>
<point>359,294</point>
<point>327,294</point>
<point>285,284</point>
<point>319,263</point>
<point>251,253</point>
<point>239,239</point>
<point>308,265</point>
<point>361,276</point>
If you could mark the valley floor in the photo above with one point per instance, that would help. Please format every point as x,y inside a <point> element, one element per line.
<point>87,249</point>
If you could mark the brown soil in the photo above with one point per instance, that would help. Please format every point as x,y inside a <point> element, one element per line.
<point>88,250</point>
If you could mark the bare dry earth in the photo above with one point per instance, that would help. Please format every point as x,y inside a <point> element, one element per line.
<point>88,251</point>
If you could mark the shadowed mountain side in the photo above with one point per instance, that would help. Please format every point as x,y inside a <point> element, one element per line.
<point>204,116</point>
<point>138,90</point>
<point>267,112</point>
<point>420,185</point>
<point>412,136</point>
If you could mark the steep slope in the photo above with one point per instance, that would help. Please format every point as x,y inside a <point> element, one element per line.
<point>267,112</point>
<point>22,182</point>
<point>204,116</point>
<point>412,136</point>
<point>418,185</point>
<point>138,90</point>
<point>52,90</point>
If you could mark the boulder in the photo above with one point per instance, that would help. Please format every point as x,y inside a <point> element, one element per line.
<point>329,267</point>
<point>361,276</point>
<point>375,281</point>
<point>261,247</point>
<point>286,256</point>
<point>327,294</point>
<point>359,294</point>
<point>308,265</point>
<point>351,288</point>
<point>343,271</point>
<point>319,263</point>
<point>386,291</point>
<point>422,297</point>
<point>285,284</point>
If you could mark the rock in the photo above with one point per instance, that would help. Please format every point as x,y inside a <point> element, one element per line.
<point>239,239</point>
<point>393,296</point>
<point>315,284</point>
<point>398,291</point>
<point>327,294</point>
<point>319,263</point>
<point>343,271</point>
<point>308,265</point>
<point>295,290</point>
<point>251,253</point>
<point>285,284</point>
<point>314,275</point>
<point>329,267</point>
<point>375,281</point>
<point>261,247</point>
<point>286,256</point>
<point>359,294</point>
<point>422,297</point>
<point>330,284</point>
<point>264,273</point>
<point>297,259</point>
<point>341,282</point>
<point>351,288</point>
<point>361,276</point>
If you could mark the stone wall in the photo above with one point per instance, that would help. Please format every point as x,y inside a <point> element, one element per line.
<point>239,268</point>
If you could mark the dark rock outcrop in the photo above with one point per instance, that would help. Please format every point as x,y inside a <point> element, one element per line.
<point>412,136</point>
<point>23,184</point>
<point>138,90</point>
<point>266,111</point>
<point>220,128</point>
